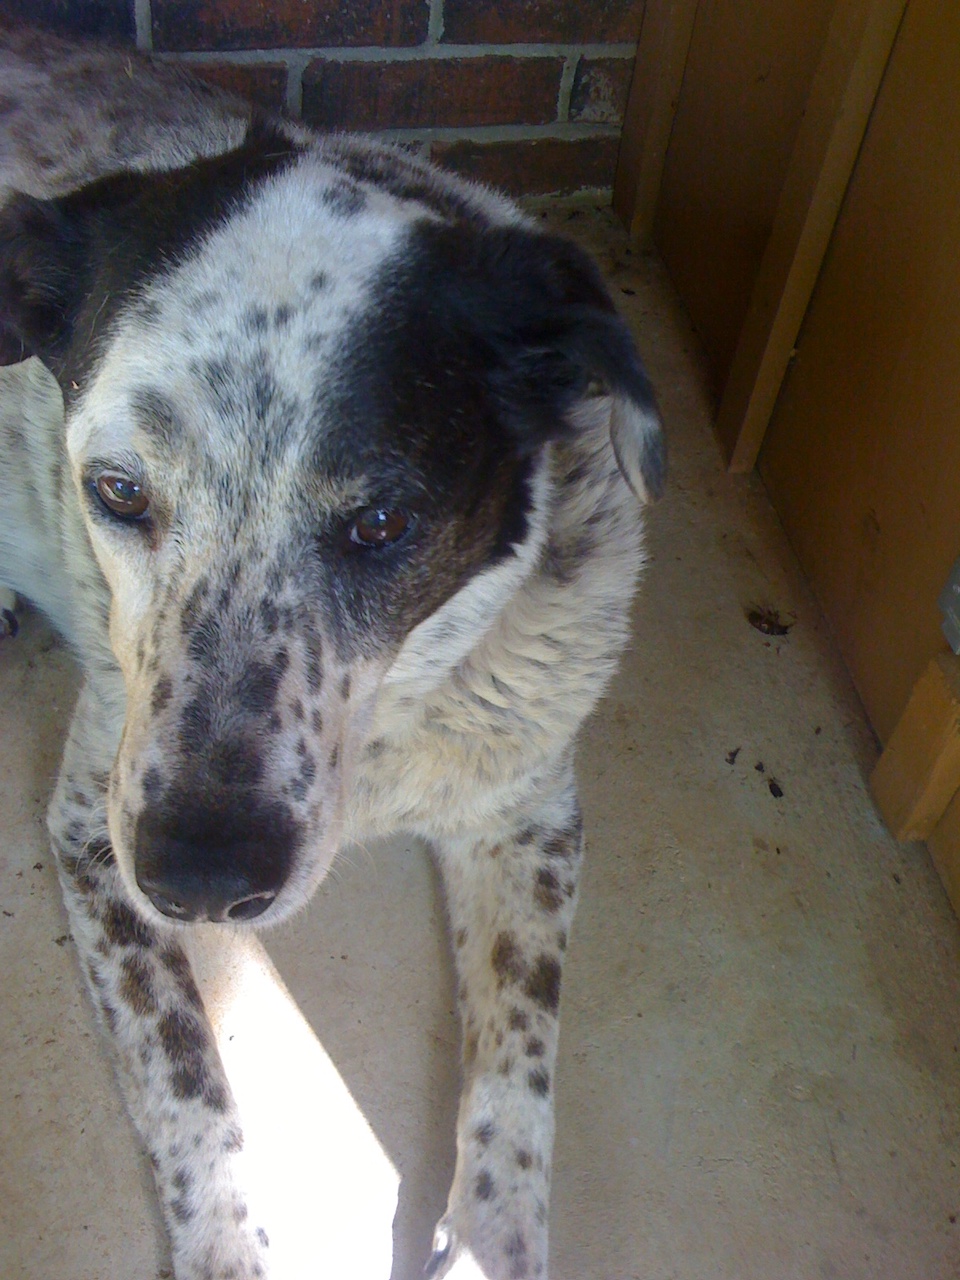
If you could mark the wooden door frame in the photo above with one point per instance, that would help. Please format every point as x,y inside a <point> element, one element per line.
<point>856,50</point>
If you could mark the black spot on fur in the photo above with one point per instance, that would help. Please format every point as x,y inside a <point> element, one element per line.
<point>539,1082</point>
<point>543,983</point>
<point>190,612</point>
<point>124,928</point>
<point>136,985</point>
<point>517,1020</point>
<point>534,1048</point>
<point>524,1159</point>
<point>485,1133</point>
<point>262,1237</point>
<point>319,281</point>
<point>506,959</point>
<point>259,685</point>
<point>484,1186</point>
<point>516,1251</point>
<point>162,693</point>
<point>345,199</point>
<point>547,893</point>
<point>205,640</point>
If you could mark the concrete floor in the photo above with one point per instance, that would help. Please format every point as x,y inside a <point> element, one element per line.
<point>759,1072</point>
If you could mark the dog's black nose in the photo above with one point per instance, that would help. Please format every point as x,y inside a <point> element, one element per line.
<point>196,863</point>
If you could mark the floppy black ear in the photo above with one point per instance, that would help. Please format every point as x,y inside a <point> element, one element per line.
<point>42,275</point>
<point>539,305</point>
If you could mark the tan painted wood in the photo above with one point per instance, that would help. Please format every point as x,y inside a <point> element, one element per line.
<point>919,772</point>
<point>842,94</point>
<point>944,846</point>
<point>654,94</point>
<point>862,454</point>
<point>747,77</point>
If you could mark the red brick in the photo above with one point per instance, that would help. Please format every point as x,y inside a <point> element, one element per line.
<point>431,93</point>
<point>546,166</point>
<point>264,83</point>
<point>107,19</point>
<point>600,88</point>
<point>523,21</point>
<point>282,24</point>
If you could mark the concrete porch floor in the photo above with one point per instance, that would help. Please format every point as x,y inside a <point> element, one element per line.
<point>759,1075</point>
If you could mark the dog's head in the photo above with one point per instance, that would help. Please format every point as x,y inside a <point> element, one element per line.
<point>310,398</point>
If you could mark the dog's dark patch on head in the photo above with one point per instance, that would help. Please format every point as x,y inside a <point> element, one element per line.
<point>543,983</point>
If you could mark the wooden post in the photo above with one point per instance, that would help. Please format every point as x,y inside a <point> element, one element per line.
<point>856,51</point>
<point>918,774</point>
<point>654,94</point>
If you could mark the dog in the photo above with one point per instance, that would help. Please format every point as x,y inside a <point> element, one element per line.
<point>340,511</point>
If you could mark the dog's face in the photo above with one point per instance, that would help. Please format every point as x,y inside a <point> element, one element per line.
<point>308,421</point>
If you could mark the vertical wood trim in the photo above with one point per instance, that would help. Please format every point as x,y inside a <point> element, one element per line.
<point>919,772</point>
<point>846,83</point>
<point>944,847</point>
<point>654,94</point>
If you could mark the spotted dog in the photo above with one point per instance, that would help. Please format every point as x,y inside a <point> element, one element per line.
<point>343,523</point>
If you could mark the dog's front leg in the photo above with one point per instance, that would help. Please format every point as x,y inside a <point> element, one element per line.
<point>143,988</point>
<point>510,902</point>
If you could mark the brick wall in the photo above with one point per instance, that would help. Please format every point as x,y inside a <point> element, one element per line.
<point>526,94</point>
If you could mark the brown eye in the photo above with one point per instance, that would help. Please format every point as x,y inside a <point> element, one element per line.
<point>377,527</point>
<point>121,495</point>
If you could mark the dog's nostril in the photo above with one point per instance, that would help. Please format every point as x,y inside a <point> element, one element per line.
<point>249,908</point>
<point>168,907</point>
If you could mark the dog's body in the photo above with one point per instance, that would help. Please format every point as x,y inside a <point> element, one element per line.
<point>339,525</point>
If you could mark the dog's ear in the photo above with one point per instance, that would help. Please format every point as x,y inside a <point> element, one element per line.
<point>43,257</point>
<point>538,305</point>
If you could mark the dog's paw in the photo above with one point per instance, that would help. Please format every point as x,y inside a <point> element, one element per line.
<point>449,1258</point>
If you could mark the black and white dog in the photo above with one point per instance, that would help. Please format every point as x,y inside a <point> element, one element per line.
<point>340,511</point>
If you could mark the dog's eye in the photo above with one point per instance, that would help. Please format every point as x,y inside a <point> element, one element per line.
<point>379,527</point>
<point>121,495</point>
